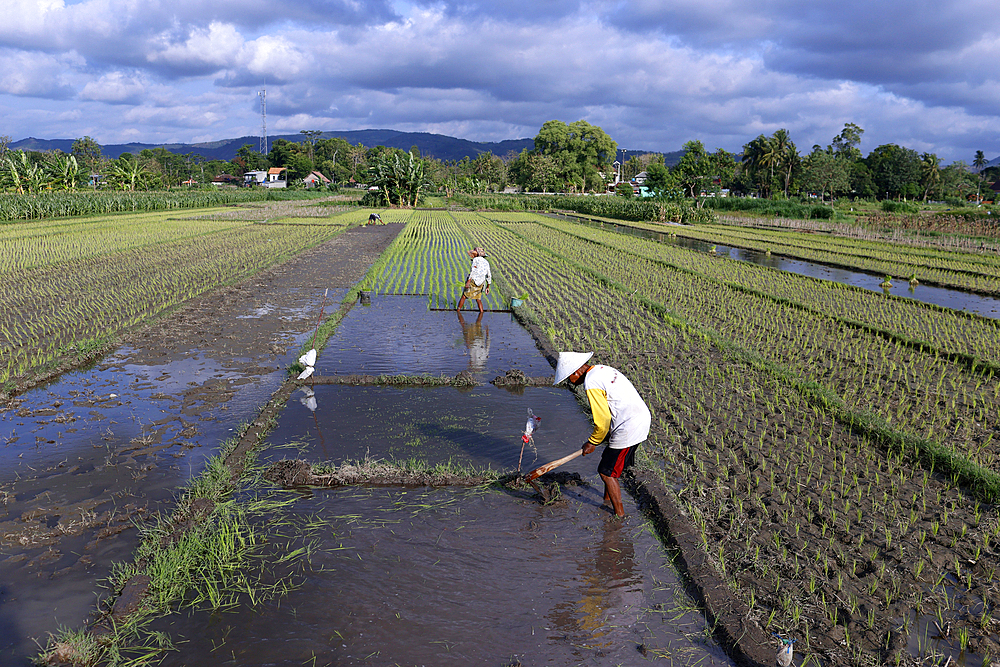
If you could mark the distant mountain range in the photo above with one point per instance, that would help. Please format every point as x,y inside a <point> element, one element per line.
<point>430,145</point>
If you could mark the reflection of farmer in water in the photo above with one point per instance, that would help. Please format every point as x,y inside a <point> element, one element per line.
<point>477,341</point>
<point>479,280</point>
<point>609,585</point>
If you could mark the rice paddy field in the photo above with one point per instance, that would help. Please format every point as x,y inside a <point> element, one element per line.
<point>835,450</point>
<point>71,285</point>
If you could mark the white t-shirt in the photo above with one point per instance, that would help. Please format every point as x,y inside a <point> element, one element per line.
<point>481,271</point>
<point>630,418</point>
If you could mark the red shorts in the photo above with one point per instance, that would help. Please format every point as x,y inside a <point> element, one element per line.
<point>616,461</point>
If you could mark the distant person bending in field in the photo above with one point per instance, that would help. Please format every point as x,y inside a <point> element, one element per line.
<point>373,218</point>
<point>479,280</point>
<point>620,417</point>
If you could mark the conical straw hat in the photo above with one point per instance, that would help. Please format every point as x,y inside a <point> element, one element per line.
<point>569,362</point>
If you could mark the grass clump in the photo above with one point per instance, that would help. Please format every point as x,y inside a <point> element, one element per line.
<point>207,552</point>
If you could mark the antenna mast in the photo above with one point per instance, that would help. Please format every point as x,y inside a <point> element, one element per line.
<point>262,94</point>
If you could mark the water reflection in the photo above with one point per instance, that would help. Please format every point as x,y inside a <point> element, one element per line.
<point>612,592</point>
<point>477,342</point>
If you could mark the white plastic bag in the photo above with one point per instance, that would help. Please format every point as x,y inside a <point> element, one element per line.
<point>530,426</point>
<point>309,358</point>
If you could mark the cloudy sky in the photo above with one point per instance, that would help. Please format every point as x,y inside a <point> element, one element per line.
<point>652,73</point>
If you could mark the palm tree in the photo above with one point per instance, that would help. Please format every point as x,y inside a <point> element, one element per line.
<point>930,172</point>
<point>755,157</point>
<point>784,156</point>
<point>979,163</point>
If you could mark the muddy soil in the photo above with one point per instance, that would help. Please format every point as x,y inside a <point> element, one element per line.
<point>85,455</point>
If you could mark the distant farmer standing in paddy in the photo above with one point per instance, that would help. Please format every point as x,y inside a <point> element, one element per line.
<point>620,417</point>
<point>479,280</point>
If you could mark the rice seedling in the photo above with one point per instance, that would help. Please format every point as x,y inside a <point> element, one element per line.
<point>69,288</point>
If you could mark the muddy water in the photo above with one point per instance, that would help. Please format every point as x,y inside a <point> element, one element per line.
<point>462,577</point>
<point>940,296</point>
<point>398,334</point>
<point>480,426</point>
<point>86,455</point>
<point>418,576</point>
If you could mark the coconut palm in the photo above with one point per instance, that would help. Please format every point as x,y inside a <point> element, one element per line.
<point>756,160</point>
<point>784,155</point>
<point>930,172</point>
<point>979,162</point>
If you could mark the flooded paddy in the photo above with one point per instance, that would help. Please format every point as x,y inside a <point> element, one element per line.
<point>90,453</point>
<point>395,575</point>
<point>399,334</point>
<point>945,297</point>
<point>451,576</point>
<point>462,577</point>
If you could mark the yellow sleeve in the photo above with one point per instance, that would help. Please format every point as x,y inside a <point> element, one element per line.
<point>601,413</point>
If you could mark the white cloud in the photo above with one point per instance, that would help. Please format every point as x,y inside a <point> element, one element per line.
<point>116,88</point>
<point>204,49</point>
<point>37,75</point>
<point>653,74</point>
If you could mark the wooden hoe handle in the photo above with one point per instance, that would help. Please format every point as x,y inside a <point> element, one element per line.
<point>538,472</point>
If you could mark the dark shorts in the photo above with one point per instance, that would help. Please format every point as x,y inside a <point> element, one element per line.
<point>616,461</point>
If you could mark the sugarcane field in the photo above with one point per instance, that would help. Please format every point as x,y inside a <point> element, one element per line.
<point>256,432</point>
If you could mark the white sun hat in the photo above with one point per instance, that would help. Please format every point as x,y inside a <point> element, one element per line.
<point>569,362</point>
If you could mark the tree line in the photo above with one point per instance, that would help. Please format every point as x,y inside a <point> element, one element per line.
<point>773,167</point>
<point>572,157</point>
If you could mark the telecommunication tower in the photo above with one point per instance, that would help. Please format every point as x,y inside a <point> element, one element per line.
<point>262,94</point>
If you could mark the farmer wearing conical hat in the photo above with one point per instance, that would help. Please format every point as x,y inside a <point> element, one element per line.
<point>620,417</point>
<point>479,280</point>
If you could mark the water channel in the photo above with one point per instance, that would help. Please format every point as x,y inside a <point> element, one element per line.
<point>945,297</point>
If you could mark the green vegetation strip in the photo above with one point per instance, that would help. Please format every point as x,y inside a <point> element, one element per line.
<point>65,204</point>
<point>409,472</point>
<point>204,554</point>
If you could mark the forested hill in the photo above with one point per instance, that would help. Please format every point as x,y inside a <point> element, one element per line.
<point>431,145</point>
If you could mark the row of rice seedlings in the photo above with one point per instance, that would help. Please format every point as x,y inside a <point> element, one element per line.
<point>951,332</point>
<point>390,471</point>
<point>49,311</point>
<point>429,257</point>
<point>884,379</point>
<point>29,245</point>
<point>721,434</point>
